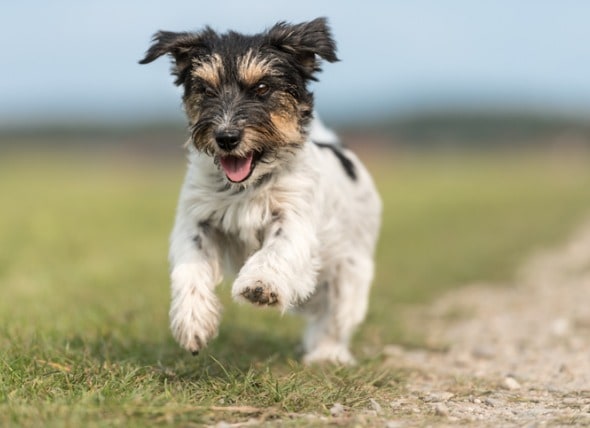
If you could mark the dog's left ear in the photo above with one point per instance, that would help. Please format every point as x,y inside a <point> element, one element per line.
<point>305,41</point>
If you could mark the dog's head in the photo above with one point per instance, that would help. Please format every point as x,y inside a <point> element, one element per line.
<point>246,97</point>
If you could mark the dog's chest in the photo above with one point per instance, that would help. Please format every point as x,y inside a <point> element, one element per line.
<point>242,219</point>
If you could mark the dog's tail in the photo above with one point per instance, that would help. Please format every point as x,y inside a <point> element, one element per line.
<point>319,133</point>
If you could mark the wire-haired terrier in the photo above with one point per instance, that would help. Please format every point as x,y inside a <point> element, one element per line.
<point>268,189</point>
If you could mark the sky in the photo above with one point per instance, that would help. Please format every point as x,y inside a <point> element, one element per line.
<point>68,60</point>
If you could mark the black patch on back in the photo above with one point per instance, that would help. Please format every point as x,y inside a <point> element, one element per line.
<point>198,241</point>
<point>276,215</point>
<point>346,163</point>
<point>205,227</point>
<point>260,236</point>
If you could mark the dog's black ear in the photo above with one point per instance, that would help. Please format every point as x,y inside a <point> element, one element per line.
<point>182,47</point>
<point>305,41</point>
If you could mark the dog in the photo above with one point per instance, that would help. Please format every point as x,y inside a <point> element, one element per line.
<point>269,189</point>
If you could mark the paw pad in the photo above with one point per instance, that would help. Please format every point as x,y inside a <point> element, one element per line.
<point>261,295</point>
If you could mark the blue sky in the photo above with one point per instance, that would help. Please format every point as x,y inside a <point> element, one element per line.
<point>72,60</point>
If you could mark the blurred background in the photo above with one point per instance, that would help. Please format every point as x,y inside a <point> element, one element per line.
<point>489,67</point>
<point>474,118</point>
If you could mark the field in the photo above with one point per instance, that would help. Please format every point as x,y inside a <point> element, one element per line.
<point>83,274</point>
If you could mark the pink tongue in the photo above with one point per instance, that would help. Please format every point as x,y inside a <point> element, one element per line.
<point>235,168</point>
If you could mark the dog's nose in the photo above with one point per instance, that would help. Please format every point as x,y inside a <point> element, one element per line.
<point>228,139</point>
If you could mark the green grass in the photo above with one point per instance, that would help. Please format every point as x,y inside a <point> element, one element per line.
<point>84,290</point>
<point>460,218</point>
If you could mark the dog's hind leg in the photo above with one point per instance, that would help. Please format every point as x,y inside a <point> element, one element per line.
<point>339,306</point>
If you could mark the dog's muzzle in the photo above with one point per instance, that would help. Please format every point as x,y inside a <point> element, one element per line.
<point>228,139</point>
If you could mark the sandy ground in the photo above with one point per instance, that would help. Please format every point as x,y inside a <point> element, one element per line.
<point>517,355</point>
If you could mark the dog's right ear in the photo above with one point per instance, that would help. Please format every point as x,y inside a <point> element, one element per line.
<point>183,47</point>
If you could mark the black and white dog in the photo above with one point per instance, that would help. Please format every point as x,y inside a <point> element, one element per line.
<point>268,189</point>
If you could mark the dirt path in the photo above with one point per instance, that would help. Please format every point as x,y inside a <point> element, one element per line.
<point>517,355</point>
<point>512,355</point>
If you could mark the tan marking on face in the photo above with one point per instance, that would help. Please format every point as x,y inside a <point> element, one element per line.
<point>288,127</point>
<point>250,141</point>
<point>252,69</point>
<point>210,70</point>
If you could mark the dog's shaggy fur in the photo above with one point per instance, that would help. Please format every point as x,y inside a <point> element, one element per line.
<point>268,189</point>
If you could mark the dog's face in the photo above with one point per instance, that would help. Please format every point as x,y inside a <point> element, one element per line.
<point>246,97</point>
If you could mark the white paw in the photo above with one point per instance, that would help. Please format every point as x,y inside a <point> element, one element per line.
<point>329,353</point>
<point>267,280</point>
<point>195,310</point>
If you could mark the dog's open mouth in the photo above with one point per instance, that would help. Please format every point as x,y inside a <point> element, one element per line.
<point>238,169</point>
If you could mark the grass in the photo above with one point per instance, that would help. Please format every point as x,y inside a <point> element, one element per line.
<point>83,274</point>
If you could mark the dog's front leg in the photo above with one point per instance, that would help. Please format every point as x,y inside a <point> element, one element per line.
<point>284,271</point>
<point>195,271</point>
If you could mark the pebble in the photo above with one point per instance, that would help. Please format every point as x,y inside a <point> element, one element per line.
<point>490,402</point>
<point>510,383</point>
<point>396,404</point>
<point>483,352</point>
<point>376,406</point>
<point>337,410</point>
<point>560,327</point>
<point>437,397</point>
<point>441,410</point>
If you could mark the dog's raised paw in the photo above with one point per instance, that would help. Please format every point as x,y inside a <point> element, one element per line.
<point>261,294</point>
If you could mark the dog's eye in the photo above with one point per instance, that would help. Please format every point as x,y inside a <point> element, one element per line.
<point>262,89</point>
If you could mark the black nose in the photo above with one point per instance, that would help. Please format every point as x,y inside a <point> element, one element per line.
<point>228,139</point>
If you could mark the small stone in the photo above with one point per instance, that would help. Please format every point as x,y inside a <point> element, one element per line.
<point>397,404</point>
<point>483,352</point>
<point>437,397</point>
<point>441,410</point>
<point>376,406</point>
<point>490,402</point>
<point>510,383</point>
<point>560,327</point>
<point>337,410</point>
<point>477,401</point>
